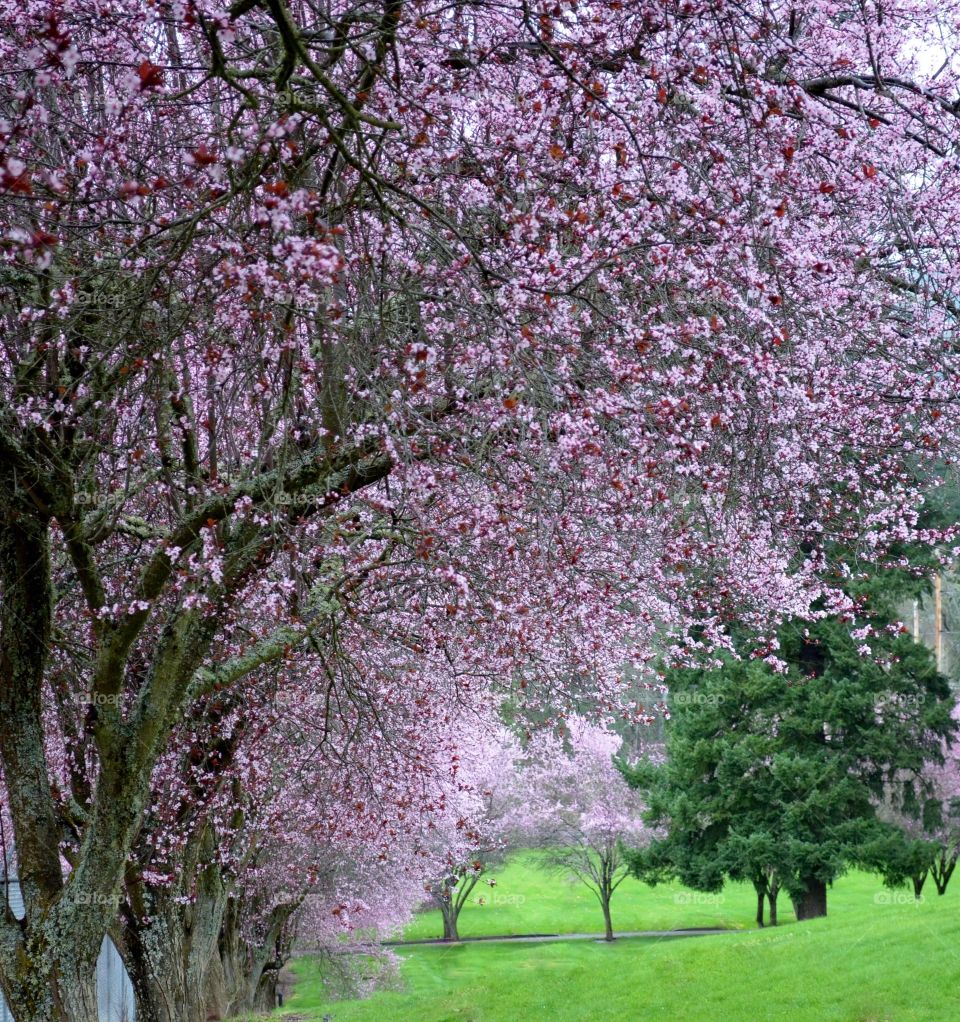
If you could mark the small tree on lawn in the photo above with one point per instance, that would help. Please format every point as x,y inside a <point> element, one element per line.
<point>451,891</point>
<point>582,809</point>
<point>942,817</point>
<point>749,852</point>
<point>481,818</point>
<point>925,811</point>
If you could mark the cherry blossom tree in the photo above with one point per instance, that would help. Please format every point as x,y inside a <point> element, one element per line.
<point>484,815</point>
<point>925,808</point>
<point>943,820</point>
<point>493,335</point>
<point>584,811</point>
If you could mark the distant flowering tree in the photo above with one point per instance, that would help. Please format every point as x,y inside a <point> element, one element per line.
<point>925,808</point>
<point>582,811</point>
<point>480,821</point>
<point>942,819</point>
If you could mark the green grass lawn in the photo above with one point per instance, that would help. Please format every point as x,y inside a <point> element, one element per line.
<point>875,958</point>
<point>530,900</point>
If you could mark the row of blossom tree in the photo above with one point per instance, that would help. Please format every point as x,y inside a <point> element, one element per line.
<point>288,838</point>
<point>397,355</point>
<point>290,833</point>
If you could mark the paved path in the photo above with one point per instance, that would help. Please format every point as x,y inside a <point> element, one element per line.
<point>534,938</point>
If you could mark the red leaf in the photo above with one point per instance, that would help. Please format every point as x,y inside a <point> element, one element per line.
<point>151,76</point>
<point>203,156</point>
<point>19,185</point>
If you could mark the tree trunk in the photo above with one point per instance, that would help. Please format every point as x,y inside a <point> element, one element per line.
<point>942,869</point>
<point>51,981</point>
<point>761,890</point>
<point>772,893</point>
<point>231,950</point>
<point>265,998</point>
<point>171,957</point>
<point>30,956</point>
<point>29,1000</point>
<point>153,956</point>
<point>607,921</point>
<point>216,994</point>
<point>79,992</point>
<point>243,978</point>
<point>918,881</point>
<point>450,913</point>
<point>812,903</point>
<point>147,995</point>
<point>80,999</point>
